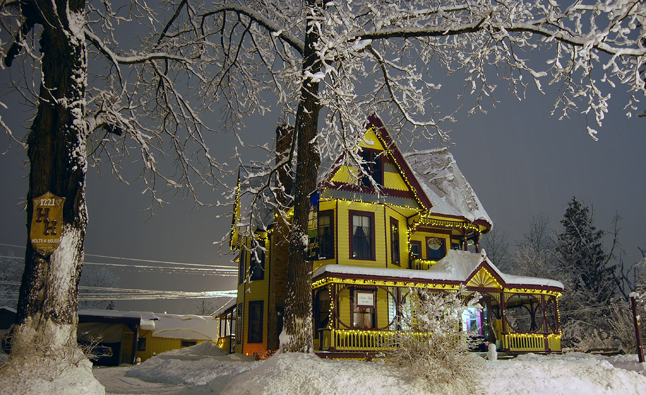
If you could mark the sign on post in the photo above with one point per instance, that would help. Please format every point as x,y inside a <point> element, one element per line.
<point>46,223</point>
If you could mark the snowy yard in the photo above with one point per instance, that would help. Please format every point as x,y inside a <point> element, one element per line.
<point>205,369</point>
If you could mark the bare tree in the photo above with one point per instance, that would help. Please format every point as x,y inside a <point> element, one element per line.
<point>310,54</point>
<point>497,247</point>
<point>87,110</point>
<point>359,57</point>
<point>535,253</point>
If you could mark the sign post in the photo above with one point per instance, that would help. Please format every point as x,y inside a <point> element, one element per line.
<point>46,223</point>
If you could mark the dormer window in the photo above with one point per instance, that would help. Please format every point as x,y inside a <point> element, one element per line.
<point>373,167</point>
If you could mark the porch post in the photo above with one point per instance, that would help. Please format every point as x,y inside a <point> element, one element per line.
<point>503,307</point>
<point>637,322</point>
<point>545,332</point>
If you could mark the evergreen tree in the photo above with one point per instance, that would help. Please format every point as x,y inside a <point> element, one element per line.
<point>582,257</point>
<point>590,288</point>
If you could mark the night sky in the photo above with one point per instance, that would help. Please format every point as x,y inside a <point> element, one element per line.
<point>518,159</point>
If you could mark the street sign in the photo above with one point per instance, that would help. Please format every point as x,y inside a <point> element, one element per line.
<point>46,223</point>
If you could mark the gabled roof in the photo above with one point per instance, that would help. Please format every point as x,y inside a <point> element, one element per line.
<point>407,181</point>
<point>457,267</point>
<point>445,185</point>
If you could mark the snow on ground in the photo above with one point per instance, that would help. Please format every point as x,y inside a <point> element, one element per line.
<point>205,369</point>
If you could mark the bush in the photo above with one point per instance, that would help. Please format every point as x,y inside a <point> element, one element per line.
<point>434,348</point>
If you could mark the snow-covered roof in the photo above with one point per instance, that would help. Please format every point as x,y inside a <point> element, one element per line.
<point>225,307</point>
<point>445,185</point>
<point>455,266</point>
<point>175,326</point>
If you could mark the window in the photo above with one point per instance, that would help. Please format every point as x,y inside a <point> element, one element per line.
<point>364,310</point>
<point>188,343</point>
<point>394,241</point>
<point>326,236</point>
<point>257,265</point>
<point>372,167</point>
<point>363,236</point>
<point>141,344</point>
<point>322,312</point>
<point>241,263</point>
<point>435,248</point>
<point>255,322</point>
<point>415,250</point>
<point>239,324</point>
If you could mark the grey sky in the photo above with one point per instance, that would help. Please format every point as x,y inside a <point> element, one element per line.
<point>518,160</point>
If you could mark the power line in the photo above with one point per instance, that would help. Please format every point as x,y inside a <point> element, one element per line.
<point>173,267</point>
<point>91,293</point>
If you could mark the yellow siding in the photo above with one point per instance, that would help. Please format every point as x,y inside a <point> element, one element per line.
<point>255,290</point>
<point>343,308</point>
<point>421,236</point>
<point>394,181</point>
<point>371,137</point>
<point>346,175</point>
<point>344,232</point>
<point>382,308</point>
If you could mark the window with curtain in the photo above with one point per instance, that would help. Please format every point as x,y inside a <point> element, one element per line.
<point>362,242</point>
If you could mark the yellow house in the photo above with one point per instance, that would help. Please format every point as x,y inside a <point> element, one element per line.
<point>374,241</point>
<point>124,336</point>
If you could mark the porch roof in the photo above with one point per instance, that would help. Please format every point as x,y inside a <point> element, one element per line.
<point>456,267</point>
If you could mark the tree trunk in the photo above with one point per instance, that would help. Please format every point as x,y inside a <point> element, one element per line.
<point>44,337</point>
<point>298,306</point>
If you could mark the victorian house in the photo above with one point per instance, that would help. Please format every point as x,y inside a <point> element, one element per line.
<point>373,245</point>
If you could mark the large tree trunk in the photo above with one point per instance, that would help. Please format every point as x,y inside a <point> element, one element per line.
<point>298,306</point>
<point>44,344</point>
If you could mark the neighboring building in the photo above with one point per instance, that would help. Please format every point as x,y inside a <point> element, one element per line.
<point>371,247</point>
<point>116,337</point>
<point>124,336</point>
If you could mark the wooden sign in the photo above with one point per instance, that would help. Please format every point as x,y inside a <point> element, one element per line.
<point>46,223</point>
<point>365,299</point>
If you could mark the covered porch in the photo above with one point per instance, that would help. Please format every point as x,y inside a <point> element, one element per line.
<point>358,309</point>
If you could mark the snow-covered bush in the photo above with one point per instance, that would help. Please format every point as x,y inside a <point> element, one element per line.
<point>435,348</point>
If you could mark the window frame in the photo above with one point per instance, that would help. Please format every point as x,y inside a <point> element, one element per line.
<point>239,323</point>
<point>395,249</point>
<point>444,246</point>
<point>375,159</point>
<point>251,323</point>
<point>418,243</point>
<point>242,265</point>
<point>330,214</point>
<point>254,265</point>
<point>371,215</point>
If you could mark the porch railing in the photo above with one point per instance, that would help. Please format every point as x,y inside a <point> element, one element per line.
<point>422,264</point>
<point>361,340</point>
<point>523,342</point>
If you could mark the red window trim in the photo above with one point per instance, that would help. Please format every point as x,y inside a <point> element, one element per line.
<point>352,213</point>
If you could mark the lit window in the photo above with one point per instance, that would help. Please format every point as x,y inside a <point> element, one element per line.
<point>435,248</point>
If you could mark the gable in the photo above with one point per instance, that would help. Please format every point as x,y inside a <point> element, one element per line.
<point>398,184</point>
<point>483,279</point>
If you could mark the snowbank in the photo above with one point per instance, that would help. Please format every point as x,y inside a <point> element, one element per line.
<point>197,365</point>
<point>205,369</point>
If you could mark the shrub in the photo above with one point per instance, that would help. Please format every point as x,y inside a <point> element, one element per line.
<point>434,348</point>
